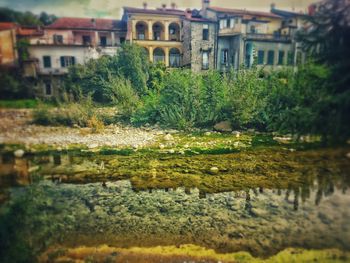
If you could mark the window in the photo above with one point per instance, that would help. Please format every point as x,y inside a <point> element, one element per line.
<point>58,39</point>
<point>103,41</point>
<point>67,61</point>
<point>122,40</point>
<point>224,56</point>
<point>47,88</point>
<point>290,59</point>
<point>223,23</point>
<point>281,57</point>
<point>47,61</point>
<point>270,57</point>
<point>86,40</point>
<point>205,60</point>
<point>205,32</point>
<point>261,57</point>
<point>252,29</point>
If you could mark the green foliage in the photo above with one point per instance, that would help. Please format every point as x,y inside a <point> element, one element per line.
<point>25,18</point>
<point>13,86</point>
<point>122,93</point>
<point>67,114</point>
<point>19,104</point>
<point>245,97</point>
<point>132,64</point>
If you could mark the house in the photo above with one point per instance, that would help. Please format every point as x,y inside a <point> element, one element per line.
<point>69,41</point>
<point>159,31</point>
<point>8,50</point>
<point>199,41</point>
<point>248,37</point>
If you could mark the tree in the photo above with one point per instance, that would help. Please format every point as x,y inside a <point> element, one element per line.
<point>327,38</point>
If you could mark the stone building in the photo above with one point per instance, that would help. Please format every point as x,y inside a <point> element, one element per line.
<point>199,42</point>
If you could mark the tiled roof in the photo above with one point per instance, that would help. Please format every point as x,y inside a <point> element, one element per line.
<point>158,11</point>
<point>87,23</point>
<point>243,12</point>
<point>7,25</point>
<point>200,19</point>
<point>29,31</point>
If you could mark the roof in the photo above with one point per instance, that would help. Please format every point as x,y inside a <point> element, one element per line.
<point>158,11</point>
<point>87,23</point>
<point>243,12</point>
<point>200,19</point>
<point>7,25</point>
<point>29,31</point>
<point>285,13</point>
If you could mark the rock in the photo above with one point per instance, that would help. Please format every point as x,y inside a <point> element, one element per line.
<point>257,212</point>
<point>92,145</point>
<point>292,150</point>
<point>224,126</point>
<point>251,130</point>
<point>171,151</point>
<point>348,155</point>
<point>181,152</point>
<point>282,139</point>
<point>168,137</point>
<point>19,153</point>
<point>161,146</point>
<point>207,133</point>
<point>186,146</point>
<point>214,170</point>
<point>33,169</point>
<point>236,133</point>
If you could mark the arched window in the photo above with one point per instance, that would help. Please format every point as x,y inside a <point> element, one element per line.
<point>174,32</point>
<point>158,55</point>
<point>158,31</point>
<point>141,31</point>
<point>174,58</point>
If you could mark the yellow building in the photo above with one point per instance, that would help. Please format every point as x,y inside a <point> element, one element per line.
<point>8,52</point>
<point>159,31</point>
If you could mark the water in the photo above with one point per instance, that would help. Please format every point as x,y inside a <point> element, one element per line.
<point>145,201</point>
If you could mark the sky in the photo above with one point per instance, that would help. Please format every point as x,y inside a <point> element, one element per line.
<point>113,8</point>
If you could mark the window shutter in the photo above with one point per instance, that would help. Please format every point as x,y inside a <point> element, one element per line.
<point>232,22</point>
<point>62,62</point>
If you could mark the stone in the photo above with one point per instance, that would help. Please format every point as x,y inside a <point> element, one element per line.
<point>282,139</point>
<point>214,170</point>
<point>348,155</point>
<point>168,137</point>
<point>236,134</point>
<point>19,153</point>
<point>171,151</point>
<point>207,133</point>
<point>161,146</point>
<point>92,145</point>
<point>224,126</point>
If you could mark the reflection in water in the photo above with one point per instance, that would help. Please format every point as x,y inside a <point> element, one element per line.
<point>164,204</point>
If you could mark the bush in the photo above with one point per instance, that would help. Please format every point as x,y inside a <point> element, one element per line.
<point>67,114</point>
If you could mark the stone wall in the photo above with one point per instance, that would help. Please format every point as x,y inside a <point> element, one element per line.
<point>198,45</point>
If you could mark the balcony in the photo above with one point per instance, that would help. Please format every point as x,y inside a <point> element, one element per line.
<point>231,31</point>
<point>268,37</point>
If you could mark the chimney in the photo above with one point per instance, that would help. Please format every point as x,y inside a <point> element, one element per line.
<point>93,21</point>
<point>188,13</point>
<point>273,6</point>
<point>173,5</point>
<point>163,7</point>
<point>144,5</point>
<point>205,4</point>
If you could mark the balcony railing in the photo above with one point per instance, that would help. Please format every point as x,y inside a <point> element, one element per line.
<point>268,37</point>
<point>69,41</point>
<point>236,29</point>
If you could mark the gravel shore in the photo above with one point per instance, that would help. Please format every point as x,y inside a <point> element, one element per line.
<point>16,127</point>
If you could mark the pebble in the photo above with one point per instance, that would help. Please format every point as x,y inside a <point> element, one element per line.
<point>214,170</point>
<point>168,137</point>
<point>19,153</point>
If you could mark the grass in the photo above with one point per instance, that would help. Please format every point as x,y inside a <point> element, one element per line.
<point>19,104</point>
